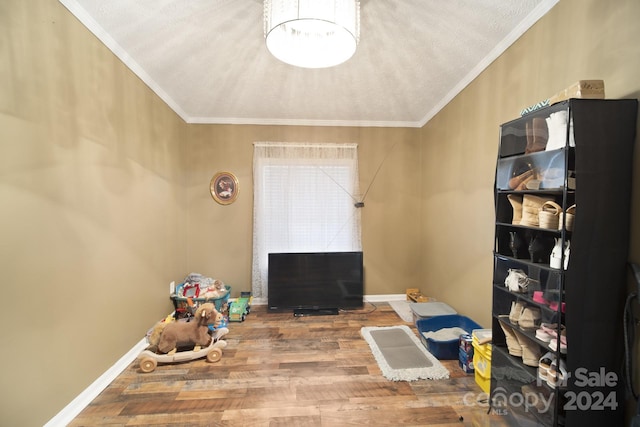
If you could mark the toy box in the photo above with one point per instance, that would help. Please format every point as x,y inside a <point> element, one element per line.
<point>445,350</point>
<point>181,303</point>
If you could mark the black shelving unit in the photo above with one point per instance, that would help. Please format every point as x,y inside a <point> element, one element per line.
<point>590,168</point>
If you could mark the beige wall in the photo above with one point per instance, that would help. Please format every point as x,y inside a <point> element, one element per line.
<point>105,199</point>
<point>91,218</point>
<point>220,237</point>
<point>105,195</point>
<point>576,40</point>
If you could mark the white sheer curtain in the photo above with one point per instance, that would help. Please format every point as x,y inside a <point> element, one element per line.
<point>304,197</point>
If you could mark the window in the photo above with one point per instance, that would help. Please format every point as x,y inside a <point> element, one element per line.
<point>304,201</point>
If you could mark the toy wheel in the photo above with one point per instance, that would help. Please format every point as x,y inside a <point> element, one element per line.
<point>148,364</point>
<point>214,355</point>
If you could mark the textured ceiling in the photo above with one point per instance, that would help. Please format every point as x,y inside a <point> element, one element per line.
<point>208,61</point>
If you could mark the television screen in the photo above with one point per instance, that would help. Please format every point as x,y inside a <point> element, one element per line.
<point>315,281</point>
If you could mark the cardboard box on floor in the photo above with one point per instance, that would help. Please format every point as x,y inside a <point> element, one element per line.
<point>414,294</point>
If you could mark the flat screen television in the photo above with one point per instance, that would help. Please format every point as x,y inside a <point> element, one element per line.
<point>314,283</point>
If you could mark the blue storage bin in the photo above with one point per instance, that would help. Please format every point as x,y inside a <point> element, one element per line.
<point>444,350</point>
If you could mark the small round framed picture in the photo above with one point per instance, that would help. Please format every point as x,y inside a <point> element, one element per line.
<point>224,188</point>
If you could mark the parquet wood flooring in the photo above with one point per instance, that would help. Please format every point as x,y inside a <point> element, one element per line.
<point>280,370</point>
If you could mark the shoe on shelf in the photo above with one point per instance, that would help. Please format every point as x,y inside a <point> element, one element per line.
<point>568,221</point>
<point>552,329</point>
<point>544,364</point>
<point>553,345</point>
<point>529,318</point>
<point>530,350</point>
<point>530,356</point>
<point>519,182</point>
<point>516,205</point>
<point>517,307</point>
<point>543,336</point>
<point>514,347</point>
<point>557,374</point>
<point>554,306</point>
<point>538,296</point>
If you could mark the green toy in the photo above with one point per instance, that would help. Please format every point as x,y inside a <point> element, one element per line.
<point>239,308</point>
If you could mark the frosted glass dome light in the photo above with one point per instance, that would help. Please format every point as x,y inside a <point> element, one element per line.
<point>312,34</point>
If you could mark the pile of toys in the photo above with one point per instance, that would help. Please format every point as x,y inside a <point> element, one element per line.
<point>199,289</point>
<point>196,328</point>
<point>195,285</point>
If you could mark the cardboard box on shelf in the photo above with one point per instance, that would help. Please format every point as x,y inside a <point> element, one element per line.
<point>586,89</point>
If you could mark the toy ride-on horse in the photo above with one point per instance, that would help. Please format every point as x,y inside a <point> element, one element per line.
<point>180,341</point>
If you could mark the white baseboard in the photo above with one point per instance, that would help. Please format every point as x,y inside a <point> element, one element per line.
<point>385,298</point>
<point>259,301</point>
<point>76,406</point>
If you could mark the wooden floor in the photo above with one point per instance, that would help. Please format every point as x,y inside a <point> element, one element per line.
<point>281,370</point>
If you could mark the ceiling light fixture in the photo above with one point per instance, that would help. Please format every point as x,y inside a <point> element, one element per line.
<point>312,33</point>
